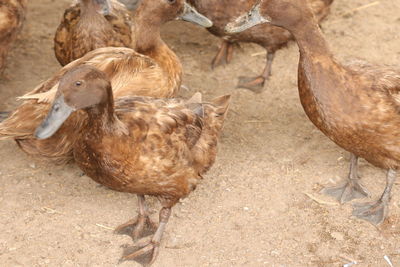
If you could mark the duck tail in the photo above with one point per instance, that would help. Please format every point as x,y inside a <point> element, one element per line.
<point>222,104</point>
<point>213,117</point>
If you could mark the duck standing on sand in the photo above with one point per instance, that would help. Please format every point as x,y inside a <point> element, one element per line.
<point>145,146</point>
<point>356,105</point>
<point>270,37</point>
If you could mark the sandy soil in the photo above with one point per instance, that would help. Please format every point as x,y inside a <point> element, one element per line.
<point>252,208</point>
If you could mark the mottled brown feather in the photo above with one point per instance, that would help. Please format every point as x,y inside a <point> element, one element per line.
<point>80,33</point>
<point>153,71</point>
<point>12,16</point>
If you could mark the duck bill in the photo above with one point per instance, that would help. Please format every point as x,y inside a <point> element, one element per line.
<point>246,21</point>
<point>190,14</point>
<point>57,115</point>
<point>105,7</point>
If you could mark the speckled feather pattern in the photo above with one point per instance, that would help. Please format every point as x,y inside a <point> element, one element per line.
<point>165,150</point>
<point>12,16</point>
<point>130,74</point>
<point>77,35</point>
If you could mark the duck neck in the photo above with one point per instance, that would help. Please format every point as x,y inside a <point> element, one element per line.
<point>310,40</point>
<point>101,117</point>
<point>149,43</point>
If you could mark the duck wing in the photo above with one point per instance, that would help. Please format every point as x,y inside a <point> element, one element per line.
<point>121,35</point>
<point>382,78</point>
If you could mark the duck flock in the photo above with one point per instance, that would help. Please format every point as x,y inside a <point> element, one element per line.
<point>112,106</point>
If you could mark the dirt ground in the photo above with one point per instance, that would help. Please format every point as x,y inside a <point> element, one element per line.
<point>253,208</point>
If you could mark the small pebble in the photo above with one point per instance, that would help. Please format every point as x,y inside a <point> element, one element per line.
<point>338,236</point>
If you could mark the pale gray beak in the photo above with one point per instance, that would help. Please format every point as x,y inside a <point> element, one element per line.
<point>105,7</point>
<point>58,113</point>
<point>246,21</point>
<point>190,14</point>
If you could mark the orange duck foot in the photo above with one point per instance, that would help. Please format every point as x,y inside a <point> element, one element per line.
<point>255,84</point>
<point>137,228</point>
<point>374,212</point>
<point>347,191</point>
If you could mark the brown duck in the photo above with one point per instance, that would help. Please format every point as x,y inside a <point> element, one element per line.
<point>157,147</point>
<point>12,14</point>
<point>270,37</point>
<point>91,24</point>
<point>356,105</point>
<point>154,70</point>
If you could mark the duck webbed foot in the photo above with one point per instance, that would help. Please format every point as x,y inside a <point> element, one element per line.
<point>351,188</point>
<point>225,52</point>
<point>376,212</point>
<point>139,227</point>
<point>145,250</point>
<point>256,84</point>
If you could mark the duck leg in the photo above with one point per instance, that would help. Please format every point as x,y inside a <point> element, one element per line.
<point>225,51</point>
<point>351,188</point>
<point>375,212</point>
<point>148,246</point>
<point>139,227</point>
<point>256,84</point>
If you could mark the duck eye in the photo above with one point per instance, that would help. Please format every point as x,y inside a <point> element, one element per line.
<point>78,83</point>
<point>171,1</point>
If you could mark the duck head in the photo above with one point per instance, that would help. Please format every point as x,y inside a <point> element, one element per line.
<point>158,12</point>
<point>83,87</point>
<point>284,13</point>
<point>103,7</point>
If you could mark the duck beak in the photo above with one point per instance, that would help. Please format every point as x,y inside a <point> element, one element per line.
<point>105,7</point>
<point>58,113</point>
<point>246,21</point>
<point>190,14</point>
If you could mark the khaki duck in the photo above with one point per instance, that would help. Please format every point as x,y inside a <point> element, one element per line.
<point>356,104</point>
<point>12,14</point>
<point>270,37</point>
<point>154,70</point>
<point>91,24</point>
<point>156,147</point>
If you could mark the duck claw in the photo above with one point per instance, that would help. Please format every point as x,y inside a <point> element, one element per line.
<point>374,212</point>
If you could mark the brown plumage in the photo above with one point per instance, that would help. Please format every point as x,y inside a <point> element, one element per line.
<point>270,37</point>
<point>356,105</point>
<point>156,72</point>
<point>91,24</point>
<point>12,16</point>
<point>145,146</point>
